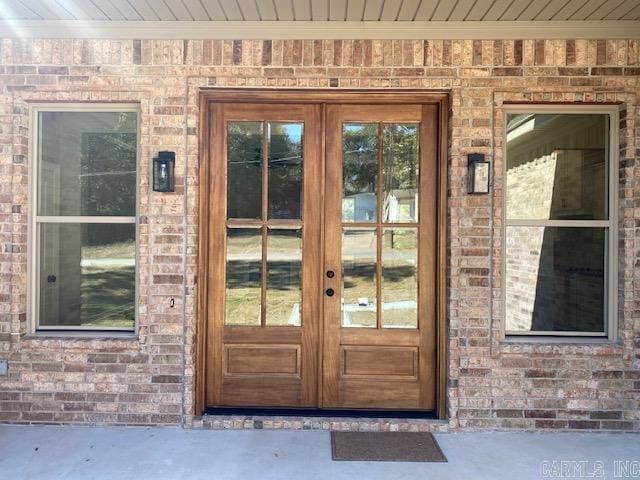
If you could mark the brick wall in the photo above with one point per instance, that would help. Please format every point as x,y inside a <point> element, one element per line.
<point>150,379</point>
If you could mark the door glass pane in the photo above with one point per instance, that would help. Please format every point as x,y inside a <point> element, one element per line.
<point>399,278</point>
<point>87,275</point>
<point>285,170</point>
<point>557,166</point>
<point>284,276</point>
<point>244,170</point>
<point>359,172</point>
<point>555,279</point>
<point>359,277</point>
<point>244,276</point>
<point>87,163</point>
<point>400,172</point>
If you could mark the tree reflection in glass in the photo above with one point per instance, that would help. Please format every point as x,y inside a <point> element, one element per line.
<point>359,172</point>
<point>244,170</point>
<point>285,170</point>
<point>400,172</point>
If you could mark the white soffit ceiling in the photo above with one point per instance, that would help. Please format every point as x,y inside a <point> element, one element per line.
<point>380,19</point>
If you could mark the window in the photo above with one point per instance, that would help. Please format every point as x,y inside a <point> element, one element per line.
<point>83,243</point>
<point>559,221</point>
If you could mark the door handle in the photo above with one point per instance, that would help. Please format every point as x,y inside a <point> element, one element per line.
<point>330,292</point>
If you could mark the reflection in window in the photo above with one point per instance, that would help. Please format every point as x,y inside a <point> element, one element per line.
<point>86,265</point>
<point>559,164</point>
<point>359,299</point>
<point>285,170</point>
<point>359,172</point>
<point>87,275</point>
<point>557,171</point>
<point>400,172</point>
<point>555,279</point>
<point>87,163</point>
<point>244,170</point>
<point>244,276</point>
<point>400,278</point>
<point>284,277</point>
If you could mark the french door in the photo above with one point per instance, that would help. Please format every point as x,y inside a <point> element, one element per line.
<point>319,255</point>
<point>380,257</point>
<point>264,246</point>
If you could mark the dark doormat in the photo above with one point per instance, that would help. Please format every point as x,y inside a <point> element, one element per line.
<point>386,447</point>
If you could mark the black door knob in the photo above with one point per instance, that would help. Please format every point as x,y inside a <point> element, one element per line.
<point>330,274</point>
<point>330,292</point>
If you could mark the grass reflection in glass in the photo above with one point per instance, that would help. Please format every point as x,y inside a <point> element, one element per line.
<point>244,276</point>
<point>399,278</point>
<point>284,271</point>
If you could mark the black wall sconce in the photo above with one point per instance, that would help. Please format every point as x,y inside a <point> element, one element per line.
<point>163,172</point>
<point>479,173</point>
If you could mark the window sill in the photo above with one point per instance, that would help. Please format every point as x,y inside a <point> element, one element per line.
<point>80,335</point>
<point>561,345</point>
<point>562,340</point>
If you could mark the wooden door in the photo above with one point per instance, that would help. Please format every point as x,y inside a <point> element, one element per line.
<point>263,254</point>
<point>380,257</point>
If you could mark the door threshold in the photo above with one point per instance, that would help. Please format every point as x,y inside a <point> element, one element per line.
<point>322,413</point>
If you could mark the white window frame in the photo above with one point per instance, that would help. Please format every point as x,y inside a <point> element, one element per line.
<point>610,225</point>
<point>33,238</point>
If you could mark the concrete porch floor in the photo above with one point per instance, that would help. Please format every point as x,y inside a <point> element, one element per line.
<point>95,453</point>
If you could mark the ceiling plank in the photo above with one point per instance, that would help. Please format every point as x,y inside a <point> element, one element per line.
<point>514,10</point>
<point>17,11</point>
<point>109,9</point>
<point>337,9</point>
<point>372,10</point>
<point>49,10</point>
<point>443,10</point>
<point>622,9</point>
<point>533,10</point>
<point>179,10</point>
<point>284,9</point>
<point>408,10</point>
<point>479,10</point>
<point>633,14</point>
<point>390,11</point>
<point>569,9</point>
<point>213,10</point>
<point>144,10</point>
<point>93,11</point>
<point>551,9</point>
<point>301,10</point>
<point>497,10</point>
<point>267,10</point>
<point>586,10</point>
<point>161,9</point>
<point>605,8</point>
<point>196,9</point>
<point>355,10</point>
<point>39,9</point>
<point>231,10</point>
<point>425,10</point>
<point>127,9</point>
<point>320,10</point>
<point>249,10</point>
<point>461,10</point>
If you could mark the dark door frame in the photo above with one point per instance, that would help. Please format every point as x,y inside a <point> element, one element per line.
<point>210,96</point>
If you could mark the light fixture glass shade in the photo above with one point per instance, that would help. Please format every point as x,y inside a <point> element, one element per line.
<point>163,172</point>
<point>479,174</point>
